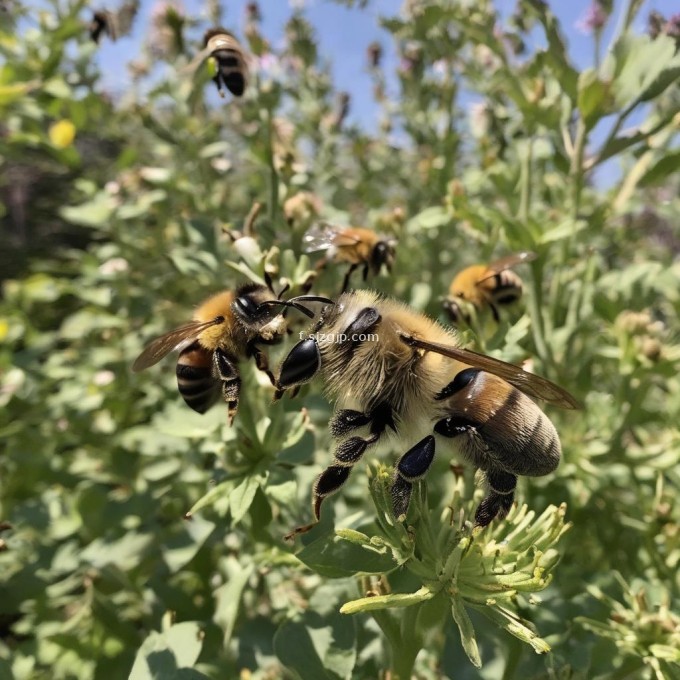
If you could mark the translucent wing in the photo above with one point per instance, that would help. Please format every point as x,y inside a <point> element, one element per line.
<point>530,384</point>
<point>323,235</point>
<point>500,265</point>
<point>165,344</point>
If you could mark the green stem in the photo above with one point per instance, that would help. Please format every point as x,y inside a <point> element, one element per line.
<point>273,175</point>
<point>576,170</point>
<point>525,182</point>
<point>402,660</point>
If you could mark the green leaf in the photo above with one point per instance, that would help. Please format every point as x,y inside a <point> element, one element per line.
<point>430,218</point>
<point>648,67</point>
<point>661,170</point>
<point>182,547</point>
<point>96,213</point>
<point>242,496</point>
<point>170,654</point>
<point>228,596</point>
<point>592,97</point>
<point>467,632</point>
<point>318,647</point>
<point>334,557</point>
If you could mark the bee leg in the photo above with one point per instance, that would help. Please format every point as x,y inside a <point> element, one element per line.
<point>365,272</point>
<point>327,483</point>
<point>226,371</point>
<point>261,361</point>
<point>350,271</point>
<point>500,498</point>
<point>347,454</point>
<point>495,313</point>
<point>411,467</point>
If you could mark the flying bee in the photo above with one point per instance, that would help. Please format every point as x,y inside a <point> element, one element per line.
<point>113,24</point>
<point>230,61</point>
<point>395,373</point>
<point>226,328</point>
<point>354,245</point>
<point>486,286</point>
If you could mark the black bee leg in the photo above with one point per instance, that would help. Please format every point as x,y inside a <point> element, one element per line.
<point>261,361</point>
<point>350,271</point>
<point>411,467</point>
<point>495,313</point>
<point>500,498</point>
<point>328,482</point>
<point>365,272</point>
<point>348,453</point>
<point>226,371</point>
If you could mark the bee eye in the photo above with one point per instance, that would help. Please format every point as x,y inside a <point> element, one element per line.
<point>246,307</point>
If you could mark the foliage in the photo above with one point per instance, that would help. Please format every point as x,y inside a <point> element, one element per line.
<point>141,538</point>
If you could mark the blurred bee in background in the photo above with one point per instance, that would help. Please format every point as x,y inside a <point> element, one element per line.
<point>483,286</point>
<point>230,61</point>
<point>355,245</point>
<point>114,24</point>
<point>394,372</point>
<point>226,328</point>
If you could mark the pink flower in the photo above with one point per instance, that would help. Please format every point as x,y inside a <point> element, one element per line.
<point>593,19</point>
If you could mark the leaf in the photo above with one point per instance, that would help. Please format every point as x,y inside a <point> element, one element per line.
<point>334,557</point>
<point>663,168</point>
<point>467,632</point>
<point>564,230</point>
<point>182,547</point>
<point>228,596</point>
<point>648,67</point>
<point>94,213</point>
<point>592,97</point>
<point>241,498</point>
<point>170,654</point>
<point>430,218</point>
<point>318,647</point>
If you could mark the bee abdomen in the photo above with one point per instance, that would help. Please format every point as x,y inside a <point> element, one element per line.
<point>531,446</point>
<point>195,380</point>
<point>508,288</point>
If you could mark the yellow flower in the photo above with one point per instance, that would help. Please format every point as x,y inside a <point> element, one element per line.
<point>62,133</point>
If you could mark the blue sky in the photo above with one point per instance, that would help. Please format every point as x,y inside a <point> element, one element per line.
<point>343,35</point>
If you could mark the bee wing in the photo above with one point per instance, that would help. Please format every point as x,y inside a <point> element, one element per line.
<point>124,17</point>
<point>500,265</point>
<point>168,342</point>
<point>190,69</point>
<point>322,235</point>
<point>530,384</point>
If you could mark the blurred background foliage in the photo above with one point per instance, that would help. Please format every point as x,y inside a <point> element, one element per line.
<point>119,214</point>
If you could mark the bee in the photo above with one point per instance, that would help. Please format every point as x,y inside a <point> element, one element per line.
<point>355,245</point>
<point>114,24</point>
<point>486,286</point>
<point>227,327</point>
<point>395,373</point>
<point>230,61</point>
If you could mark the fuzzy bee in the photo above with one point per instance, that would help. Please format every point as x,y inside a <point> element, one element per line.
<point>486,286</point>
<point>356,246</point>
<point>225,329</point>
<point>114,24</point>
<point>396,374</point>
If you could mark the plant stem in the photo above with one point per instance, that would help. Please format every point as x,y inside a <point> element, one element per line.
<point>273,175</point>
<point>525,182</point>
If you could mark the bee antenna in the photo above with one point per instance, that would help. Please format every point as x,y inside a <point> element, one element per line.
<point>269,282</point>
<point>283,290</point>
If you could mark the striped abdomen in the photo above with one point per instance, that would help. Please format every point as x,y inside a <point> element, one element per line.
<point>506,288</point>
<point>195,380</point>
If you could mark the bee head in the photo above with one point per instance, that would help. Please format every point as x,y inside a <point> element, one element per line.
<point>383,253</point>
